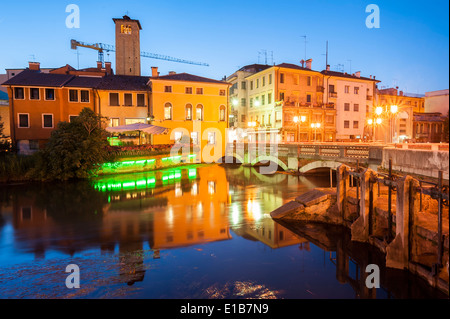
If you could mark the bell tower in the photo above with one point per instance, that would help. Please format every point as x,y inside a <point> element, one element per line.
<point>128,46</point>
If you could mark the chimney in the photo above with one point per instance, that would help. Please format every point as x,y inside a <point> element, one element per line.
<point>309,63</point>
<point>35,66</point>
<point>401,93</point>
<point>108,68</point>
<point>155,72</point>
<point>328,67</point>
<point>370,76</point>
<point>172,72</point>
<point>358,74</point>
<point>99,65</point>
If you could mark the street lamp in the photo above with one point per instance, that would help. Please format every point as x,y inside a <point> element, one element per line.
<point>374,122</point>
<point>394,110</point>
<point>298,120</point>
<point>315,126</point>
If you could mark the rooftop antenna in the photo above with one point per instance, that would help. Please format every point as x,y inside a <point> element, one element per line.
<point>271,52</point>
<point>304,36</point>
<point>264,52</point>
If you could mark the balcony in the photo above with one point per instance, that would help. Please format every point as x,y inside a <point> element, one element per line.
<point>332,94</point>
<point>320,88</point>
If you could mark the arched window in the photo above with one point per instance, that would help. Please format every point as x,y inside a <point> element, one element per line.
<point>189,112</point>
<point>199,113</point>
<point>168,111</point>
<point>222,113</point>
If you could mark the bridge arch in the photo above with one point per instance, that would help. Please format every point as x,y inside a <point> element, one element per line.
<point>231,159</point>
<point>319,164</point>
<point>264,158</point>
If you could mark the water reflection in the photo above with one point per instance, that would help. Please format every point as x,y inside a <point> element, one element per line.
<point>201,231</point>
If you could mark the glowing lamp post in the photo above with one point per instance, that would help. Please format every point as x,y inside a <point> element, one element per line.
<point>298,120</point>
<point>315,126</point>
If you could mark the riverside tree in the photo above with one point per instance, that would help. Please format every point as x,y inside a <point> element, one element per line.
<point>75,150</point>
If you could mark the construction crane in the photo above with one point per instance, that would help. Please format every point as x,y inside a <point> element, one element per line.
<point>101,48</point>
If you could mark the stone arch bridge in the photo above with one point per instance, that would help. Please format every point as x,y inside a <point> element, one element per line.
<point>304,158</point>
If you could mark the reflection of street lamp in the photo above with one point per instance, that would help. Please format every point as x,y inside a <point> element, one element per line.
<point>315,126</point>
<point>298,121</point>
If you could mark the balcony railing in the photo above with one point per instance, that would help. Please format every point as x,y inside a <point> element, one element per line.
<point>320,88</point>
<point>333,94</point>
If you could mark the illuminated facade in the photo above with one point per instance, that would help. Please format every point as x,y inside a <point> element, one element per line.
<point>352,96</point>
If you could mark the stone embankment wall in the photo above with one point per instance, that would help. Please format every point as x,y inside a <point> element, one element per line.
<point>410,235</point>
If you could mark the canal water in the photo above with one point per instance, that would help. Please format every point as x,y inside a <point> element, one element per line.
<point>201,231</point>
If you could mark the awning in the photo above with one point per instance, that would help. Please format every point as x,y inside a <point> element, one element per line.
<point>138,127</point>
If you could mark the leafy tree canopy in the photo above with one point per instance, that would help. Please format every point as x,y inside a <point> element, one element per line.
<point>75,150</point>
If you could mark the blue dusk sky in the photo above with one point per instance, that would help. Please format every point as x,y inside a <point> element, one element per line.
<point>409,50</point>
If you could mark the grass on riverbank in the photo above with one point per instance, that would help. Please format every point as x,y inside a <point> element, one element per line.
<point>16,168</point>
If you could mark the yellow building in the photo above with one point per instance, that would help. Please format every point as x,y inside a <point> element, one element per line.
<point>193,106</point>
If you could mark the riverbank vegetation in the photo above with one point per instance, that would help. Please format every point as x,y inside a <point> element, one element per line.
<point>75,150</point>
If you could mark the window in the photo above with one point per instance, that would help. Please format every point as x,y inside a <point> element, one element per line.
<point>355,124</point>
<point>347,89</point>
<point>114,122</point>
<point>278,116</point>
<point>189,112</point>
<point>84,96</point>
<point>331,88</point>
<point>251,85</point>
<point>356,90</point>
<point>263,81</point>
<point>34,93</point>
<point>19,93</point>
<point>243,118</point>
<point>168,89</point>
<point>73,95</point>
<point>23,120</point>
<point>50,94</point>
<point>243,85</point>
<point>222,113</point>
<point>308,81</point>
<point>199,91</point>
<point>281,77</point>
<point>263,99</point>
<point>329,119</point>
<point>269,122</point>
<point>251,102</point>
<point>188,90</point>
<point>114,99</point>
<point>263,120</point>
<point>211,138</point>
<point>367,109</point>
<point>72,118</point>
<point>141,100</point>
<point>194,137</point>
<point>281,96</point>
<point>128,99</point>
<point>168,111</point>
<point>346,106</point>
<point>134,121</point>
<point>257,83</point>
<point>308,98</point>
<point>222,92</point>
<point>356,107</point>
<point>47,120</point>
<point>270,78</point>
<point>346,124</point>
<point>33,144</point>
<point>243,102</point>
<point>199,113</point>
